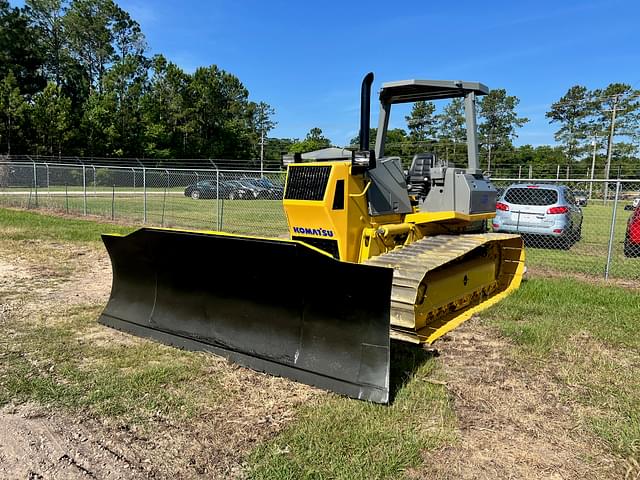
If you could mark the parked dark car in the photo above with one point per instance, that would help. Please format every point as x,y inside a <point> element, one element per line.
<point>276,192</point>
<point>202,189</point>
<point>581,197</point>
<point>632,206</point>
<point>244,189</point>
<point>632,236</point>
<point>230,189</point>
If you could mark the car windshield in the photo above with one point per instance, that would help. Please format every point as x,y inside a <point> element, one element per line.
<point>531,196</point>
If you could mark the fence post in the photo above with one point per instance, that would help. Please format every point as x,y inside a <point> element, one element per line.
<point>144,193</point>
<point>95,193</point>
<point>113,201</point>
<point>519,172</point>
<point>84,190</point>
<point>612,231</point>
<point>164,198</point>
<point>530,172</point>
<point>219,223</point>
<point>66,198</point>
<point>35,181</point>
<point>48,182</point>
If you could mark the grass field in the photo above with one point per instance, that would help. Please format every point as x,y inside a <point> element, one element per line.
<point>266,217</point>
<point>259,217</point>
<point>588,336</point>
<point>589,255</point>
<point>576,342</point>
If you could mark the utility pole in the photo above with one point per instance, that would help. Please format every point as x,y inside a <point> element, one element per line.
<point>262,153</point>
<point>593,166</point>
<point>610,147</point>
<point>265,124</point>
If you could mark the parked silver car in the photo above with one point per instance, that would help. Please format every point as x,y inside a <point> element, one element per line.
<point>540,211</point>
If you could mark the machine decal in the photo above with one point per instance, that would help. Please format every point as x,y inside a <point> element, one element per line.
<point>320,232</point>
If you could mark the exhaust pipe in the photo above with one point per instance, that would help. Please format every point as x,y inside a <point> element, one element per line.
<point>365,111</point>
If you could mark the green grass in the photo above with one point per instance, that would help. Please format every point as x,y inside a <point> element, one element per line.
<point>21,225</point>
<point>587,337</point>
<point>266,218</point>
<point>55,363</point>
<point>343,439</point>
<point>589,255</point>
<point>258,217</point>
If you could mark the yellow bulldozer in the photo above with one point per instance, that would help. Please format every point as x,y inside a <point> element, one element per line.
<point>375,253</point>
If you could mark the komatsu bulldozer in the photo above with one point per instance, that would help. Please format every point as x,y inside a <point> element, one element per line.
<point>366,262</point>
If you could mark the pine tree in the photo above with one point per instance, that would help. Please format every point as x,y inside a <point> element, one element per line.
<point>12,111</point>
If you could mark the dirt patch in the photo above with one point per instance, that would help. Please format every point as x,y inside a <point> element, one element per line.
<point>36,445</point>
<point>513,422</point>
<point>36,442</point>
<point>42,274</point>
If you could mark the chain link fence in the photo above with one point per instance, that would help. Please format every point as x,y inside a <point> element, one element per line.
<point>236,201</point>
<point>574,226</point>
<point>570,226</point>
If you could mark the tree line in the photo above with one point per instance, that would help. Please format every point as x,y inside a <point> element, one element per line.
<point>75,79</point>
<point>585,119</point>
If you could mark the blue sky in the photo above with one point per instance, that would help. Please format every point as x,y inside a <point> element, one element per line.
<point>307,58</point>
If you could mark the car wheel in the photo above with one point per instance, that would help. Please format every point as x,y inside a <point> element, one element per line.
<point>566,241</point>
<point>577,235</point>
<point>631,249</point>
<point>195,194</point>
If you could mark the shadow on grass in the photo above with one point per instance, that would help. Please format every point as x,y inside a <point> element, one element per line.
<point>406,359</point>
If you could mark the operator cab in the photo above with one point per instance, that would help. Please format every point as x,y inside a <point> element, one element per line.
<point>438,186</point>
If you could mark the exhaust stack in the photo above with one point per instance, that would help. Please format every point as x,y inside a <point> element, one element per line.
<point>365,111</point>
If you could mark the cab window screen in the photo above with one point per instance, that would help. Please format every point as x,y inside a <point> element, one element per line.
<point>531,196</point>
<point>338,199</point>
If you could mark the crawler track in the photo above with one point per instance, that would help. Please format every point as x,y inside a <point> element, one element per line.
<point>440,281</point>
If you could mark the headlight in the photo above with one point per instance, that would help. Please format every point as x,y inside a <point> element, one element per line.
<point>364,158</point>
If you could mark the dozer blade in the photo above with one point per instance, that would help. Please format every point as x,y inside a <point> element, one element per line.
<point>441,281</point>
<point>276,306</point>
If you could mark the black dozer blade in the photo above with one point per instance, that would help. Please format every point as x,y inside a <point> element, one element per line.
<point>276,306</point>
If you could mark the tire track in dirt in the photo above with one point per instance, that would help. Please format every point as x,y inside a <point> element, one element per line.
<point>37,444</point>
